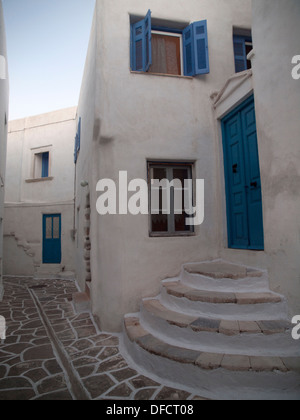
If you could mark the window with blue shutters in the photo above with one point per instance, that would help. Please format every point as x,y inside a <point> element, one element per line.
<point>242,45</point>
<point>141,44</point>
<point>164,50</point>
<point>77,141</point>
<point>195,49</point>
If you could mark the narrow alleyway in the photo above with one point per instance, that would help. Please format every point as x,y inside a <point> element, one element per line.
<point>52,353</point>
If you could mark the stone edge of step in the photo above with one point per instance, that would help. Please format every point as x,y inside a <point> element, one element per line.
<point>202,324</point>
<point>179,290</point>
<point>205,360</point>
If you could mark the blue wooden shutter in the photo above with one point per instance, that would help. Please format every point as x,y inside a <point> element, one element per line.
<point>141,52</point>
<point>79,134</point>
<point>201,47</point>
<point>77,141</point>
<point>195,49</point>
<point>240,56</point>
<point>45,165</point>
<point>188,51</point>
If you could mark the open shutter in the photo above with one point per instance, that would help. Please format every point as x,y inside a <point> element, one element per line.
<point>201,47</point>
<point>45,165</point>
<point>141,52</point>
<point>75,148</point>
<point>79,134</point>
<point>240,56</point>
<point>195,49</point>
<point>188,51</point>
<point>77,141</point>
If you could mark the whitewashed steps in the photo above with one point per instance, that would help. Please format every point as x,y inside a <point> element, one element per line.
<point>240,304</point>
<point>270,338</point>
<point>213,375</point>
<point>218,330</point>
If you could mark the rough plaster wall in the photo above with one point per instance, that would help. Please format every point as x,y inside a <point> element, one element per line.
<point>276,34</point>
<point>3,135</point>
<point>140,117</point>
<point>85,169</point>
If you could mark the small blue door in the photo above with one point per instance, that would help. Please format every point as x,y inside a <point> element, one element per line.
<point>242,175</point>
<point>51,239</point>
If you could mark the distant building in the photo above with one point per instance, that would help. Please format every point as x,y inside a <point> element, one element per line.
<point>39,198</point>
<point>3,130</point>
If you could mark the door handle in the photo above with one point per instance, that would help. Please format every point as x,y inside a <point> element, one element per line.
<point>234,168</point>
<point>253,184</point>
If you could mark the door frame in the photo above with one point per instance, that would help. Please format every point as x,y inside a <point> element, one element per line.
<point>224,119</point>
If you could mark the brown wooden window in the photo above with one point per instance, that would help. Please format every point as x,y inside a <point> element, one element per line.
<point>168,214</point>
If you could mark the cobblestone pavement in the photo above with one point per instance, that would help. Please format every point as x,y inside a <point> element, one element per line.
<point>52,353</point>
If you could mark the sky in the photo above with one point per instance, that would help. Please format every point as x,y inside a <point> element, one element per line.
<point>47,42</point>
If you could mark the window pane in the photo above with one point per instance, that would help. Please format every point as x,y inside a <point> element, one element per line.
<point>166,57</point>
<point>56,233</point>
<point>49,228</point>
<point>181,174</point>
<point>159,223</point>
<point>159,173</point>
<point>180,225</point>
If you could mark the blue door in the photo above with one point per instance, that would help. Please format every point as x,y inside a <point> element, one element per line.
<point>51,239</point>
<point>242,176</point>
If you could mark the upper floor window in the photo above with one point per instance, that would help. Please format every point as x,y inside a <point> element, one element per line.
<point>40,164</point>
<point>242,45</point>
<point>167,50</point>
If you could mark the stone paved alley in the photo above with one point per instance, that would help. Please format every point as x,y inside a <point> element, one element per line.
<point>52,353</point>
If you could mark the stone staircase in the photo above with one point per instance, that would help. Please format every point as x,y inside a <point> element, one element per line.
<point>218,331</point>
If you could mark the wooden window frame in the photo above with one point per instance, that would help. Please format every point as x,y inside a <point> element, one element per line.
<point>170,166</point>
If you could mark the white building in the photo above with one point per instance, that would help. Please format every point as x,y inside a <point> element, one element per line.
<point>199,90</point>
<point>136,119</point>
<point>39,200</point>
<point>3,131</point>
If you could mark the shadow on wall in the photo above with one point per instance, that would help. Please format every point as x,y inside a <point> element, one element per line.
<point>17,260</point>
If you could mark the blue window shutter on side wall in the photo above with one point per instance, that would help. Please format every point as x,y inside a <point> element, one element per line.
<point>77,141</point>
<point>201,47</point>
<point>141,52</point>
<point>79,134</point>
<point>240,57</point>
<point>195,49</point>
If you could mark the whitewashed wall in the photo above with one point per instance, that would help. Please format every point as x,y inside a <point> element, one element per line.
<point>3,130</point>
<point>276,35</point>
<point>134,117</point>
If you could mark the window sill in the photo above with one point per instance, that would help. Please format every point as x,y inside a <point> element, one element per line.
<point>162,74</point>
<point>29,181</point>
<point>171,235</point>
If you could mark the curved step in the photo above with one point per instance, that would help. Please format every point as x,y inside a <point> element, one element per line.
<point>271,338</point>
<point>178,289</point>
<point>265,305</point>
<point>220,275</point>
<point>220,269</point>
<point>229,374</point>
